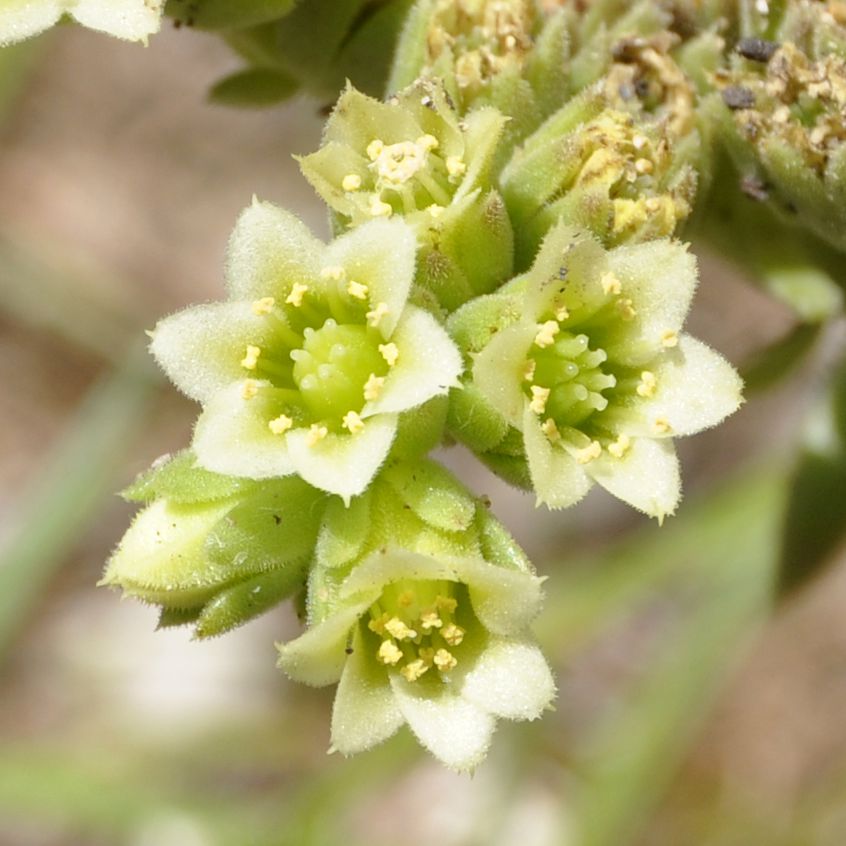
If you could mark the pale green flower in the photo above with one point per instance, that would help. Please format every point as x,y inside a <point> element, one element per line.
<point>309,364</point>
<point>585,356</point>
<point>133,20</point>
<point>410,616</point>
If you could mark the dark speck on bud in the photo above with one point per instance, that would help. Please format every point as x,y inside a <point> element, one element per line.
<point>753,187</point>
<point>738,97</point>
<point>756,49</point>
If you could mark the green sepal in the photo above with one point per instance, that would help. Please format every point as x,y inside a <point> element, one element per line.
<point>343,532</point>
<point>410,55</point>
<point>510,468</point>
<point>173,618</point>
<point>473,420</point>
<point>179,479</point>
<point>253,88</point>
<point>474,324</point>
<point>224,14</point>
<point>421,429</point>
<point>498,546</point>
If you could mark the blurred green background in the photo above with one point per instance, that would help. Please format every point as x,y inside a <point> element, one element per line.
<point>697,703</point>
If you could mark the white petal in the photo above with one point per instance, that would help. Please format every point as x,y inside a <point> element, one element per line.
<point>429,364</point>
<point>696,388</point>
<point>647,476</point>
<point>20,19</point>
<point>343,464</point>
<point>201,348</point>
<point>499,371</point>
<point>269,250</point>
<point>455,731</point>
<point>381,255</point>
<point>232,436</point>
<point>660,278</point>
<point>365,711</point>
<point>132,20</point>
<point>558,479</point>
<point>317,656</point>
<point>510,679</point>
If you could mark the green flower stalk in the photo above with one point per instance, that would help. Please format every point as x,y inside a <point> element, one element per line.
<point>132,20</point>
<point>586,358</point>
<point>419,606</point>
<point>413,156</point>
<point>310,364</point>
<point>213,551</point>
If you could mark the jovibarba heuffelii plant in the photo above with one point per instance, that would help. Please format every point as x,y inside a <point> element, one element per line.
<point>508,271</point>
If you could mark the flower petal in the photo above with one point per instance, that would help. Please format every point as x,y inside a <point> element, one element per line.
<point>232,436</point>
<point>343,464</point>
<point>269,250</point>
<point>20,19</point>
<point>326,169</point>
<point>499,370</point>
<point>696,388</point>
<point>132,20</point>
<point>454,730</point>
<point>510,679</point>
<point>381,255</point>
<point>558,479</point>
<point>647,476</point>
<point>201,348</point>
<point>365,711</point>
<point>428,365</point>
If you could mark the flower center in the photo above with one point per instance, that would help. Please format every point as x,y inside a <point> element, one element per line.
<point>333,367</point>
<point>415,622</point>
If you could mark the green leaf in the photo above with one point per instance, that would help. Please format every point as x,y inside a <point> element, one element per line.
<point>253,88</point>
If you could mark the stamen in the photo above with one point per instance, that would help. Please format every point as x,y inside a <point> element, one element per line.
<point>529,369</point>
<point>353,423</point>
<point>281,424</point>
<point>445,660</point>
<point>377,625</point>
<point>626,309</point>
<point>389,653</point>
<point>405,599</point>
<point>551,430</point>
<point>412,671</point>
<point>357,290</point>
<point>334,271</point>
<point>670,339</point>
<point>455,167</point>
<point>379,209</point>
<point>662,426</point>
<point>610,283</point>
<point>398,629</point>
<point>263,306</point>
<point>452,634</point>
<point>351,182</point>
<point>589,453</point>
<point>648,384</point>
<point>373,387</point>
<point>560,311</point>
<point>546,334</point>
<point>316,433</point>
<point>435,210</point>
<point>429,619</point>
<point>298,291</point>
<point>643,166</point>
<point>390,352</point>
<point>620,447</point>
<point>374,148</point>
<point>428,142</point>
<point>250,389</point>
<point>539,397</point>
<point>374,318</point>
<point>251,358</point>
<point>446,603</point>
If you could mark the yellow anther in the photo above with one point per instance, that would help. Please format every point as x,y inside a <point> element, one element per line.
<point>298,291</point>
<point>353,423</point>
<point>373,387</point>
<point>351,182</point>
<point>390,352</point>
<point>378,625</point>
<point>374,317</point>
<point>652,204</point>
<point>539,397</point>
<point>374,148</point>
<point>446,603</point>
<point>435,210</point>
<point>452,634</point>
<point>549,429</point>
<point>560,311</point>
<point>406,598</point>
<point>648,384</point>
<point>643,166</point>
<point>357,290</point>
<point>589,453</point>
<point>263,306</point>
<point>389,653</point>
<point>662,426</point>
<point>316,433</point>
<point>529,369</point>
<point>620,447</point>
<point>379,209</point>
<point>413,670</point>
<point>626,308</point>
<point>250,389</point>
<point>430,620</point>
<point>455,167</point>
<point>398,629</point>
<point>610,283</point>
<point>639,142</point>
<point>546,334</point>
<point>445,660</point>
<point>428,142</point>
<point>250,359</point>
<point>334,272</point>
<point>281,424</point>
<point>670,339</point>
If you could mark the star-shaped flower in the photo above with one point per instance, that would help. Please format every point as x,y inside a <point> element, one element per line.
<point>308,365</point>
<point>596,373</point>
